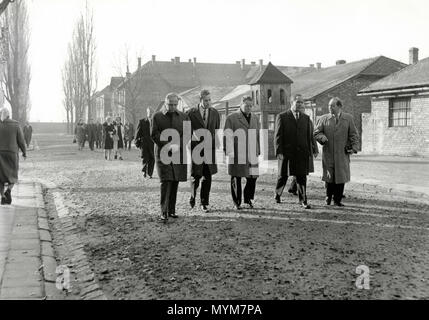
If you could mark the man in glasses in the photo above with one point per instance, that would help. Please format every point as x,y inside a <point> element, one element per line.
<point>203,117</point>
<point>241,145</point>
<point>293,141</point>
<point>167,133</point>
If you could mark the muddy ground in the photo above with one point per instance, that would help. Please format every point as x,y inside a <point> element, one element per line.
<point>275,251</point>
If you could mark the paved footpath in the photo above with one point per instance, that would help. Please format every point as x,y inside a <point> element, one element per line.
<point>27,261</point>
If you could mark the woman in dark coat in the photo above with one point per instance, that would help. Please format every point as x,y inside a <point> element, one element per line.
<point>11,140</point>
<point>109,131</point>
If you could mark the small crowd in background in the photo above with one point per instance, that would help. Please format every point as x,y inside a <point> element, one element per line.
<point>112,136</point>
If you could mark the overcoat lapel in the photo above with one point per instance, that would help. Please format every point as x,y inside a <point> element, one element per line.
<point>242,119</point>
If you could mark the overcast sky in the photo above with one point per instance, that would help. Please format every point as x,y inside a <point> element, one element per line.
<point>291,32</point>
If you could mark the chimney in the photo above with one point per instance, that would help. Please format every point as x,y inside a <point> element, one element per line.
<point>318,65</point>
<point>153,58</point>
<point>243,63</point>
<point>176,60</point>
<point>190,60</point>
<point>172,60</point>
<point>261,62</point>
<point>338,62</point>
<point>237,62</point>
<point>195,62</point>
<point>139,62</point>
<point>253,63</point>
<point>311,65</point>
<point>414,55</point>
<point>128,74</point>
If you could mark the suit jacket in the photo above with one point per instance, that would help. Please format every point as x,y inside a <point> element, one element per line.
<point>294,140</point>
<point>246,149</point>
<point>213,124</point>
<point>11,136</point>
<point>160,122</point>
<point>335,161</point>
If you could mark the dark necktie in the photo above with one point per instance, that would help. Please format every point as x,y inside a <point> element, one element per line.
<point>297,116</point>
<point>204,116</point>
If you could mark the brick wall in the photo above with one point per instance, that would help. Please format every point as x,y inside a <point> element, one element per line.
<point>379,138</point>
<point>352,103</point>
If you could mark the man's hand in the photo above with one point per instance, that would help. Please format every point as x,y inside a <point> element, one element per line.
<point>174,148</point>
<point>315,155</point>
<point>323,140</point>
<point>280,156</point>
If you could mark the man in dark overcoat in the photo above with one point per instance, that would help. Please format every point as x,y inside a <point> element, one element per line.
<point>241,145</point>
<point>293,142</point>
<point>170,152</point>
<point>204,118</point>
<point>11,141</point>
<point>144,142</point>
<point>28,132</point>
<point>338,134</point>
<point>91,131</point>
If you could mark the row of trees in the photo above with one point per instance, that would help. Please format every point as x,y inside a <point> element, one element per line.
<point>16,71</point>
<point>79,73</point>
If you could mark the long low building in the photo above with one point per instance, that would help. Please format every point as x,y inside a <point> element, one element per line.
<point>399,119</point>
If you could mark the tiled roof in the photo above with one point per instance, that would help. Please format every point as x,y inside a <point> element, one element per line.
<point>270,75</point>
<point>312,84</point>
<point>416,75</point>
<point>191,97</point>
<point>184,75</point>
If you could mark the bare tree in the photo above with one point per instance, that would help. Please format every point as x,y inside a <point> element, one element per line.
<point>17,72</point>
<point>79,74</point>
<point>85,41</point>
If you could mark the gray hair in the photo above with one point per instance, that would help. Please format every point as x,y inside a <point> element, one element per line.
<point>171,95</point>
<point>336,101</point>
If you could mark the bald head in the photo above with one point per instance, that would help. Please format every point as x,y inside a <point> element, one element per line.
<point>4,113</point>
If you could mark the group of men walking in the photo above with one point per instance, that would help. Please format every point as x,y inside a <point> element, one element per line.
<point>295,142</point>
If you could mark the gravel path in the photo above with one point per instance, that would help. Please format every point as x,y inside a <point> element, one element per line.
<point>276,251</point>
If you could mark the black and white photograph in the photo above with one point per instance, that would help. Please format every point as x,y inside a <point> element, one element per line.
<point>192,151</point>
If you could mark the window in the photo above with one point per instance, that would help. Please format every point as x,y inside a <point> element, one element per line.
<point>269,96</point>
<point>271,121</point>
<point>282,97</point>
<point>400,112</point>
<point>257,97</point>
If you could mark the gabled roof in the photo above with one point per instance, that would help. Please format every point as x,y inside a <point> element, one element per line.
<point>312,84</point>
<point>270,75</point>
<point>415,75</point>
<point>182,76</point>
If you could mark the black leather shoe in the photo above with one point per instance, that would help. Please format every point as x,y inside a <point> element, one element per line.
<point>237,207</point>
<point>204,208</point>
<point>305,205</point>
<point>192,202</point>
<point>339,204</point>
<point>249,202</point>
<point>328,201</point>
<point>163,218</point>
<point>278,200</point>
<point>8,197</point>
<point>173,215</point>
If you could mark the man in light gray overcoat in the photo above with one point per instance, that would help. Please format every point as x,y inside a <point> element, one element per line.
<point>338,134</point>
<point>241,145</point>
